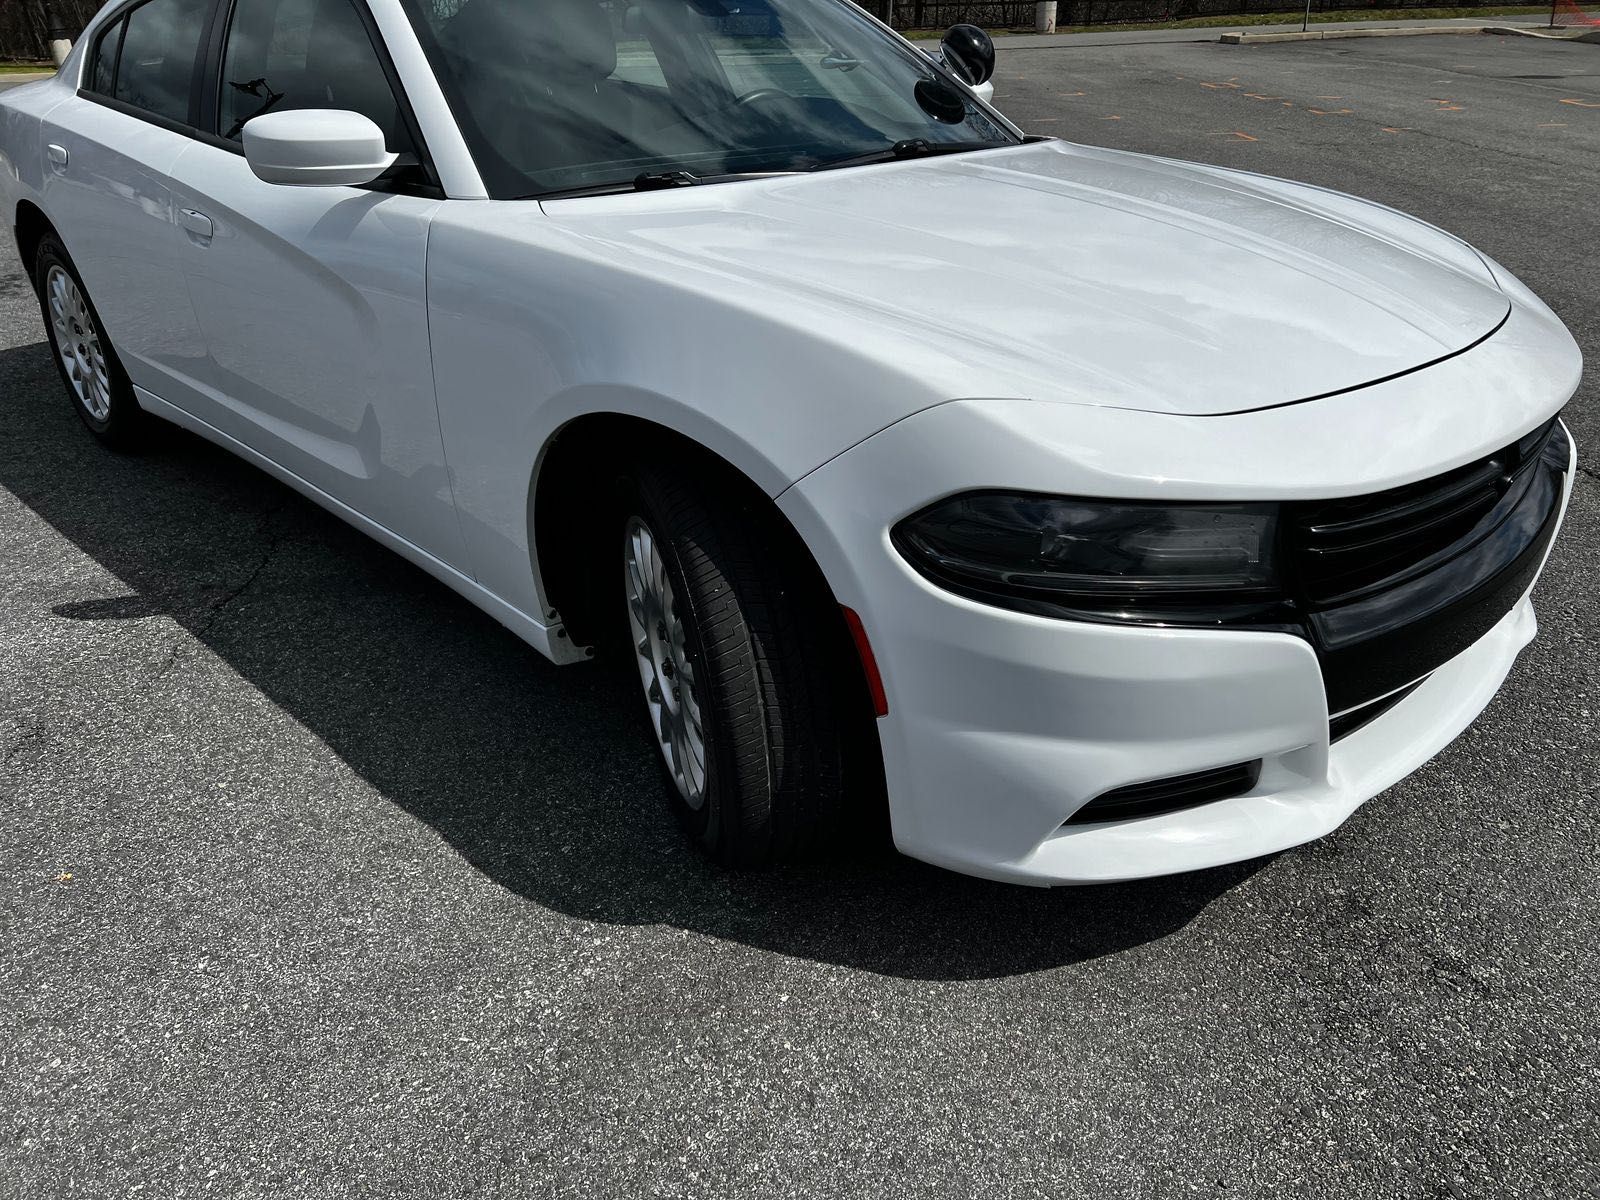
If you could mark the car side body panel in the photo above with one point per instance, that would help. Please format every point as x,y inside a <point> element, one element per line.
<point>312,304</point>
<point>22,153</point>
<point>112,204</point>
<point>532,328</point>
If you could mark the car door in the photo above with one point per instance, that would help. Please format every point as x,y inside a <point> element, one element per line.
<point>108,154</point>
<point>312,299</point>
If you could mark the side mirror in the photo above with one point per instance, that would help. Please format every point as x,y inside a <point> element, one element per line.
<point>315,147</point>
<point>969,52</point>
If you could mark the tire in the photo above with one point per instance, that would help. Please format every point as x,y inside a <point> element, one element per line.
<point>95,381</point>
<point>748,644</point>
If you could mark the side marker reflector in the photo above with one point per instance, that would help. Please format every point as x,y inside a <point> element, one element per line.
<point>869,662</point>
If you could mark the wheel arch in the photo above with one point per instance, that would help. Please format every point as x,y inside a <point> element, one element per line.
<point>571,504</point>
<point>581,464</point>
<point>30,225</point>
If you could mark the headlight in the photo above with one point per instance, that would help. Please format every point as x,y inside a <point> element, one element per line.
<point>1135,561</point>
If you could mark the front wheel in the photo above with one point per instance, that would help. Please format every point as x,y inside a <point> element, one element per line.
<point>734,651</point>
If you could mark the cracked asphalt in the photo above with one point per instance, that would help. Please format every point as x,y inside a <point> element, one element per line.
<point>315,882</point>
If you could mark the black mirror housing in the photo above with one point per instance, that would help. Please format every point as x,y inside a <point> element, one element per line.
<point>969,52</point>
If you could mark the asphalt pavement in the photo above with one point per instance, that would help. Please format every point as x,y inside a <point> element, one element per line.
<point>314,882</point>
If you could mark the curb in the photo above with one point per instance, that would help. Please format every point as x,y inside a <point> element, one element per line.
<point>1565,35</point>
<point>1318,35</point>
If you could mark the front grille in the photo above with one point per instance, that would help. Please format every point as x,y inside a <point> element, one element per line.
<point>1344,548</point>
<point>1393,585</point>
<point>1169,795</point>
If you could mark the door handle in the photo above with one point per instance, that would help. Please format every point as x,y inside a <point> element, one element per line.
<point>195,222</point>
<point>57,156</point>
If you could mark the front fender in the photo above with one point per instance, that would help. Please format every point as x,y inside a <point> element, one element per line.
<point>533,325</point>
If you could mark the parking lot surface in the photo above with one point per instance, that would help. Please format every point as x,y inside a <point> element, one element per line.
<point>315,882</point>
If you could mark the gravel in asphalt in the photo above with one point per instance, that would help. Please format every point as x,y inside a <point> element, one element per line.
<point>314,882</point>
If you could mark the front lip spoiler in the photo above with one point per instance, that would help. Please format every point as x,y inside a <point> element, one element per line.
<point>1356,387</point>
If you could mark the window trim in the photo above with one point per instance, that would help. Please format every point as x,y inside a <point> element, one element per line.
<point>120,27</point>
<point>205,89</point>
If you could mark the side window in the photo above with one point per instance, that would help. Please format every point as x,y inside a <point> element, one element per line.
<point>288,54</point>
<point>155,68</point>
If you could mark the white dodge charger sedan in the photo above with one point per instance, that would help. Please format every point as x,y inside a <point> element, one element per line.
<point>1096,515</point>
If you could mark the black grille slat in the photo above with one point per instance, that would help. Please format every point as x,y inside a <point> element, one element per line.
<point>1169,795</point>
<point>1478,482</point>
<point>1415,522</point>
<point>1343,547</point>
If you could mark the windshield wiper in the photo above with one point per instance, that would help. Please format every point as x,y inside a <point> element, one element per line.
<point>650,181</point>
<point>907,148</point>
<point>645,181</point>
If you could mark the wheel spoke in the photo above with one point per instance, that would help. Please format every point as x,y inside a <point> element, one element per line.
<point>680,749</point>
<point>639,615</point>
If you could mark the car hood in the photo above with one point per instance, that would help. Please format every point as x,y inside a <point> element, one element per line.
<point>1060,272</point>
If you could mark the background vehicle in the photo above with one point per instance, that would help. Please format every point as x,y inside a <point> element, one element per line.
<point>618,323</point>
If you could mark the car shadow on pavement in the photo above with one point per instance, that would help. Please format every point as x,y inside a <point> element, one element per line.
<point>539,776</point>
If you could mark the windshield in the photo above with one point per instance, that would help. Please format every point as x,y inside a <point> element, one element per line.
<point>567,95</point>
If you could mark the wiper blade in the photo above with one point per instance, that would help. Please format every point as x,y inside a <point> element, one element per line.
<point>907,148</point>
<point>645,181</point>
<point>650,181</point>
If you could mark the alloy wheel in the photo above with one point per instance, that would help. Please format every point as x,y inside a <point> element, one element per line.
<point>665,668</point>
<point>77,342</point>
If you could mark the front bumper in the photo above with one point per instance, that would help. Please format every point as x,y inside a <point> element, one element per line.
<point>1002,725</point>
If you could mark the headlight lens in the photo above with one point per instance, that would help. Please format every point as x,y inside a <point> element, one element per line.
<point>1108,560</point>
